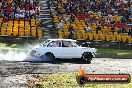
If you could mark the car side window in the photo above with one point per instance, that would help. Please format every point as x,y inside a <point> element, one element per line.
<point>74,44</point>
<point>44,43</point>
<point>67,44</point>
<point>53,44</point>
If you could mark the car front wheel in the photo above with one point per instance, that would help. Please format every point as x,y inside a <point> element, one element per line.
<point>87,56</point>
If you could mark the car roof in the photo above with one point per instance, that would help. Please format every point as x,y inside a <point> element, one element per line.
<point>61,39</point>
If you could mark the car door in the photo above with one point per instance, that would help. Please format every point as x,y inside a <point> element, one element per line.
<point>55,48</point>
<point>69,50</point>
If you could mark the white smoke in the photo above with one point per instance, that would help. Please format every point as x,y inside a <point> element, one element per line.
<point>20,55</point>
<point>12,55</point>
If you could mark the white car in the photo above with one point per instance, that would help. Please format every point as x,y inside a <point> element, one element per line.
<point>63,48</point>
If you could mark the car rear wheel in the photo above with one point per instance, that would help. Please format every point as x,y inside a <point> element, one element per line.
<point>87,56</point>
<point>50,56</point>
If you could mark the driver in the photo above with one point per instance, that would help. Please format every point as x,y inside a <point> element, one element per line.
<point>59,44</point>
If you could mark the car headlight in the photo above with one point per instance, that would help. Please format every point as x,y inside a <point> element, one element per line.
<point>32,52</point>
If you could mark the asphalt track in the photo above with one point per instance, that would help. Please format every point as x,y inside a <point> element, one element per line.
<point>18,62</point>
<point>16,66</point>
<point>14,74</point>
<point>98,65</point>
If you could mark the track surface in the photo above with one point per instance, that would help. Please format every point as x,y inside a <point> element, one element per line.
<point>15,73</point>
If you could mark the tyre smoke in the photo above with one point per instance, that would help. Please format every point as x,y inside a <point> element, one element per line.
<point>11,55</point>
<point>19,55</point>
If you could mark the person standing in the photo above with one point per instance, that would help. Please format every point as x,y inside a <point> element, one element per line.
<point>87,28</point>
<point>59,26</point>
<point>71,30</point>
<point>72,18</point>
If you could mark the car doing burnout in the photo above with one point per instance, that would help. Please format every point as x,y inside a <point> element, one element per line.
<point>63,48</point>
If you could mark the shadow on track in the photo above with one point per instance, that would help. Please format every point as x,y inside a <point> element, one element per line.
<point>57,61</point>
<point>9,56</point>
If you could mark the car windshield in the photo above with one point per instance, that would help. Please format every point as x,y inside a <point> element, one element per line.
<point>44,43</point>
<point>77,43</point>
<point>83,43</point>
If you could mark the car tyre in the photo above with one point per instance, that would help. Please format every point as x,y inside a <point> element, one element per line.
<point>42,57</point>
<point>50,56</point>
<point>87,57</point>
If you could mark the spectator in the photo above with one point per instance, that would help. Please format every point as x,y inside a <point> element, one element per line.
<point>113,28</point>
<point>107,21</point>
<point>27,1</point>
<point>50,3</point>
<point>66,19</point>
<point>87,29</point>
<point>59,25</point>
<point>17,15</point>
<point>1,15</point>
<point>72,18</point>
<point>4,4</point>
<point>123,30</point>
<point>101,21</point>
<point>11,15</point>
<point>18,9</point>
<point>37,9</point>
<point>21,14</point>
<point>98,29</point>
<point>86,20</point>
<point>109,15</point>
<point>71,30</point>
<point>22,10</point>
<point>0,4</point>
<point>31,1</point>
<point>130,31</point>
<point>101,12</point>
<point>32,13</point>
<point>70,9</point>
<point>123,20</point>
<point>112,22</point>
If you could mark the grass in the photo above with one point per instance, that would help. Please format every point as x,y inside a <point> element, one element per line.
<point>115,51</point>
<point>68,80</point>
<point>7,46</point>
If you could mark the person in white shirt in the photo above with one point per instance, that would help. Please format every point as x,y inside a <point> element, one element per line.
<point>17,15</point>
<point>109,15</point>
<point>32,12</point>
<point>87,28</point>
<point>31,1</point>
<point>107,21</point>
<point>22,14</point>
<point>22,10</point>
<point>37,10</point>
